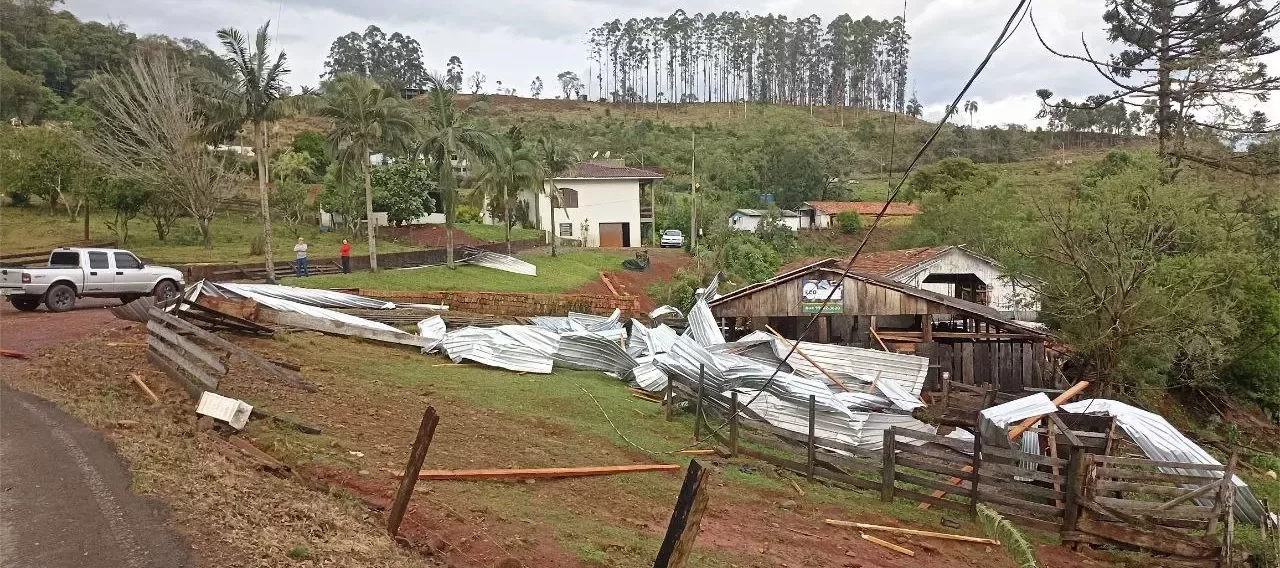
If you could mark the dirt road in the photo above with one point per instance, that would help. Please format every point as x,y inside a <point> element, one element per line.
<point>64,499</point>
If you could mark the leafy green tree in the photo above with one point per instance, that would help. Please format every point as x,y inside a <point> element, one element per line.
<point>343,196</point>
<point>453,73</point>
<point>569,83</point>
<point>313,145</point>
<point>451,140</point>
<point>125,198</point>
<point>535,88</point>
<point>747,259</point>
<point>401,190</point>
<point>849,222</point>
<point>394,61</point>
<point>773,231</point>
<point>292,165</point>
<point>45,162</point>
<point>365,117</point>
<point>792,172</point>
<point>254,93</point>
<point>950,177</point>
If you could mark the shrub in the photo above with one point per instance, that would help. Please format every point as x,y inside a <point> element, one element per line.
<point>849,222</point>
<point>19,198</point>
<point>467,214</point>
<point>746,259</point>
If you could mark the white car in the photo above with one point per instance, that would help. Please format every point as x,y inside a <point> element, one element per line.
<point>672,238</point>
<point>94,273</point>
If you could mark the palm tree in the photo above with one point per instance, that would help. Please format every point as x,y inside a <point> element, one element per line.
<point>365,117</point>
<point>514,169</point>
<point>971,107</point>
<point>449,140</point>
<point>553,160</point>
<point>253,91</point>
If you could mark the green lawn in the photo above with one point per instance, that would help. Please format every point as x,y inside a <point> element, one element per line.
<point>495,233</point>
<point>23,228</point>
<point>567,271</point>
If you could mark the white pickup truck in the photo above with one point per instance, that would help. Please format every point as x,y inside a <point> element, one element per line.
<point>87,273</point>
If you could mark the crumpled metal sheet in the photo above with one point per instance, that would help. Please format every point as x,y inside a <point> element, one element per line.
<point>499,262</point>
<point>650,341</point>
<point>711,291</point>
<point>432,328</point>
<point>494,348</point>
<point>908,371</point>
<point>994,422</point>
<point>588,351</point>
<point>309,296</point>
<point>541,340</point>
<point>1161,441</point>
<point>899,396</point>
<point>862,429</point>
<point>665,312</point>
<point>648,377</point>
<point>135,310</point>
<point>702,325</point>
<point>228,290</point>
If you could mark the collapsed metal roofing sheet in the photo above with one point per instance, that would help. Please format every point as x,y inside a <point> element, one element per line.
<point>432,328</point>
<point>702,325</point>
<point>135,310</point>
<point>588,351</point>
<point>541,340</point>
<point>499,261</point>
<point>648,376</point>
<point>228,290</point>
<point>908,371</point>
<point>494,348</point>
<point>310,296</point>
<point>665,311</point>
<point>994,422</point>
<point>1161,441</point>
<point>650,341</point>
<point>862,429</point>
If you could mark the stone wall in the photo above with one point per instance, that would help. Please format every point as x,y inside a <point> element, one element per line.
<point>511,304</point>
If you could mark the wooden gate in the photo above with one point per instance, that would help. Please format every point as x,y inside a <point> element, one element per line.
<point>1163,507</point>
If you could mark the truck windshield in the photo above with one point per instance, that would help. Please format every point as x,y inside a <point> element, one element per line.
<point>65,258</point>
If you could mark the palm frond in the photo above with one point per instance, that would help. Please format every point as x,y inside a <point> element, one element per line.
<point>995,526</point>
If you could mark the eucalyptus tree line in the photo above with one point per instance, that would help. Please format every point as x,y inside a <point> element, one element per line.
<point>731,57</point>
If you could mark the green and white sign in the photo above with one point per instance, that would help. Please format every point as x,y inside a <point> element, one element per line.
<point>813,294</point>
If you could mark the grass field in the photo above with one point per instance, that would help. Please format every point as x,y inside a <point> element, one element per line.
<point>24,228</point>
<point>567,271</point>
<point>495,233</point>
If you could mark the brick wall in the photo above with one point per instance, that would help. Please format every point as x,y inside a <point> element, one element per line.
<point>511,304</point>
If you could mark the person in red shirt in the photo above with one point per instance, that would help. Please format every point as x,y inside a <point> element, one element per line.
<point>345,252</point>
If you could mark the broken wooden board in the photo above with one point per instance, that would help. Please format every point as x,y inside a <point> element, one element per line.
<point>543,473</point>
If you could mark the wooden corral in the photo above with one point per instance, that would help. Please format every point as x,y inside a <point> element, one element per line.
<point>966,342</point>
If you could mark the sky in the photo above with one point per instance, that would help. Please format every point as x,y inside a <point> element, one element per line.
<point>515,40</point>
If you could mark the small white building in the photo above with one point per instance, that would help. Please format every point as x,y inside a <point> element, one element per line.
<point>601,203</point>
<point>822,214</point>
<point>749,219</point>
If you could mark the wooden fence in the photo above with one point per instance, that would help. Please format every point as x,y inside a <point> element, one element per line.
<point>1010,366</point>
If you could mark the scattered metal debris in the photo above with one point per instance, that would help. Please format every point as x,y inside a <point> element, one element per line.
<point>498,261</point>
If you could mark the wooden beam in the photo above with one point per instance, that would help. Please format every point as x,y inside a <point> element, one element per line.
<point>155,344</point>
<point>421,443</point>
<point>958,335</point>
<point>888,545</point>
<point>145,389</point>
<point>543,473</point>
<point>235,350</point>
<point>332,327</point>
<point>686,518</point>
<point>898,530</point>
<point>926,327</point>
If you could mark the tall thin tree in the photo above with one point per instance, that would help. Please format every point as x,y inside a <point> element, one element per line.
<point>253,92</point>
<point>365,117</point>
<point>553,160</point>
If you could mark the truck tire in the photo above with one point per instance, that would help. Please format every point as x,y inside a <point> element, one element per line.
<point>25,303</point>
<point>60,298</point>
<point>165,291</point>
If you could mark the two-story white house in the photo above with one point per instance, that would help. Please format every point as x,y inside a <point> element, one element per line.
<point>602,203</point>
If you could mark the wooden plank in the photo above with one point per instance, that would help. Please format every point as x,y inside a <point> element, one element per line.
<point>1163,529</point>
<point>1153,463</point>
<point>900,530</point>
<point>1162,490</point>
<point>858,482</point>
<point>1023,456</point>
<point>163,363</point>
<point>1150,475</point>
<point>967,362</point>
<point>932,501</point>
<point>686,518</point>
<point>957,473</point>
<point>1006,472</point>
<point>946,455</point>
<point>811,444</point>
<point>1152,509</point>
<point>421,443</point>
<point>1074,474</point>
<point>1023,520</point>
<point>887,475</point>
<point>235,350</point>
<point>927,437</point>
<point>1119,534</point>
<point>1025,488</point>
<point>190,347</point>
<point>1004,498</point>
<point>1037,366</point>
<point>932,483</point>
<point>174,357</point>
<point>145,389</point>
<point>543,473</point>
<point>1028,357</point>
<point>339,328</point>
<point>888,545</point>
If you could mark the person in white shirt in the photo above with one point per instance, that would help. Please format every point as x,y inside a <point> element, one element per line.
<point>300,254</point>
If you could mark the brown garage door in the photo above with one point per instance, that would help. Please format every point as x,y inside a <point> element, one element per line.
<point>611,234</point>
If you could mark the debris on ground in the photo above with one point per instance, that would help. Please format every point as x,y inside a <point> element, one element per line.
<point>497,261</point>
<point>541,473</point>
<point>232,411</point>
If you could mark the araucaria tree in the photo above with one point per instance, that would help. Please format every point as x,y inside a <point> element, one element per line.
<point>252,93</point>
<point>730,57</point>
<point>365,117</point>
<point>149,128</point>
<point>1190,62</point>
<point>450,142</point>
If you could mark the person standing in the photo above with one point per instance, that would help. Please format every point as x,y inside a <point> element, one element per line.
<point>300,258</point>
<point>345,252</point>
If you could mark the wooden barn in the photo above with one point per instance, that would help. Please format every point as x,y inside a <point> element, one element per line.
<point>966,342</point>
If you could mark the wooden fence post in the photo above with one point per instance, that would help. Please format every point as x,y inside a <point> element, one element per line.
<point>733,424</point>
<point>813,418</point>
<point>426,430</point>
<point>671,401</point>
<point>976,464</point>
<point>1075,480</point>
<point>1221,499</point>
<point>685,519</point>
<point>886,475</point>
<point>1227,495</point>
<point>697,413</point>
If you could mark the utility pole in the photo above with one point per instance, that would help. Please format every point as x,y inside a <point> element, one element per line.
<point>693,190</point>
<point>653,214</point>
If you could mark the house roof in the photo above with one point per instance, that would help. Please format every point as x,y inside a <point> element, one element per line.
<point>760,213</point>
<point>596,170</point>
<point>833,266</point>
<point>864,208</point>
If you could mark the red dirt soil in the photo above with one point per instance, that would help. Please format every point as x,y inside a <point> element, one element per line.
<point>663,264</point>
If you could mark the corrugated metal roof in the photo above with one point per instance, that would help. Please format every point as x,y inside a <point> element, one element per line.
<point>702,325</point>
<point>499,261</point>
<point>908,371</point>
<point>994,422</point>
<point>494,348</point>
<point>648,377</point>
<point>432,328</point>
<point>229,290</point>
<point>862,429</point>
<point>310,296</point>
<point>588,351</point>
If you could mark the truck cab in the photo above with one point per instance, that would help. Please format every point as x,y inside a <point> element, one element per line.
<point>73,273</point>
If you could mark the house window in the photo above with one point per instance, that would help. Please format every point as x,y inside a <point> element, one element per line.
<point>568,198</point>
<point>566,229</point>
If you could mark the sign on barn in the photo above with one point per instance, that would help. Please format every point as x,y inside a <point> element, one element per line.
<point>815,292</point>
